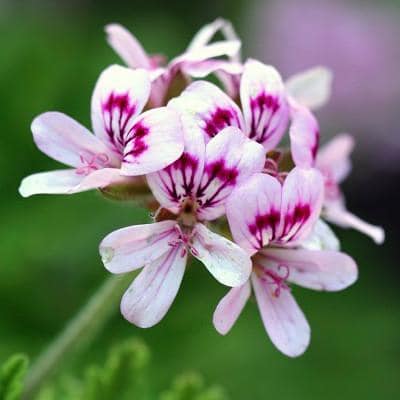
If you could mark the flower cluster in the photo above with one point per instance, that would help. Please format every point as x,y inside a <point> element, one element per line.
<point>219,187</point>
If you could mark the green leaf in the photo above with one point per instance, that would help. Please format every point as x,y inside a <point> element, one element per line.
<point>190,386</point>
<point>12,375</point>
<point>121,377</point>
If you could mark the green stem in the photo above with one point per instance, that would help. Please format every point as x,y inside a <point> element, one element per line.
<point>82,328</point>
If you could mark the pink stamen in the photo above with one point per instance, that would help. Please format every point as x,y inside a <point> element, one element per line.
<point>272,277</point>
<point>95,162</point>
<point>271,167</point>
<point>186,240</point>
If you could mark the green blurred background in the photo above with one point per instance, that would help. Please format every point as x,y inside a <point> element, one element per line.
<point>51,55</point>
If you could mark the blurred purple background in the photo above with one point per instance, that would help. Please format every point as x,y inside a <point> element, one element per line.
<point>359,41</point>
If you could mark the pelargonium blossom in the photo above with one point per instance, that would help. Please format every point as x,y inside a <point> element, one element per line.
<point>191,191</point>
<point>199,59</point>
<point>125,142</point>
<point>333,160</point>
<point>270,220</point>
<point>267,107</point>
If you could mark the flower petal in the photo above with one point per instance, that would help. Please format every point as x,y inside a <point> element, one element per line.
<point>333,159</point>
<point>133,247</point>
<point>226,261</point>
<point>311,88</point>
<point>127,46</point>
<point>69,181</point>
<point>231,158</point>
<point>65,140</point>
<point>230,307</point>
<point>321,238</point>
<point>253,212</point>
<point>336,213</point>
<point>205,68</point>
<point>206,33</point>
<point>313,269</point>
<point>118,98</point>
<point>217,49</point>
<point>52,182</point>
<point>264,103</point>
<point>180,179</point>
<point>151,294</point>
<point>302,196</point>
<point>155,140</point>
<point>304,136</point>
<point>283,320</point>
<point>204,105</point>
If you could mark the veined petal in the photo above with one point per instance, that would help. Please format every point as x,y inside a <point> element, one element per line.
<point>52,182</point>
<point>118,98</point>
<point>133,247</point>
<point>264,103</point>
<point>283,319</point>
<point>230,307</point>
<point>304,136</point>
<point>127,46</point>
<point>151,294</point>
<point>319,270</point>
<point>302,197</point>
<point>226,261</point>
<point>207,107</point>
<point>311,88</point>
<point>333,159</point>
<point>181,179</point>
<point>231,158</point>
<point>336,213</point>
<point>154,141</point>
<point>65,140</point>
<point>253,212</point>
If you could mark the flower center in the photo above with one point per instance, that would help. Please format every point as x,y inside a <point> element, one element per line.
<point>92,163</point>
<point>275,277</point>
<point>185,237</point>
<point>271,167</point>
<point>188,212</point>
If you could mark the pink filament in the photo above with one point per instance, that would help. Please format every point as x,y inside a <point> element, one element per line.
<point>271,167</point>
<point>186,240</point>
<point>95,162</point>
<point>272,277</point>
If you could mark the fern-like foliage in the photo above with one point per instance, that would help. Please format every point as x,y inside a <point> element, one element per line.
<point>12,375</point>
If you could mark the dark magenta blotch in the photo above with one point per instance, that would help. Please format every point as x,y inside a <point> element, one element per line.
<point>137,133</point>
<point>262,222</point>
<point>118,106</point>
<point>220,119</point>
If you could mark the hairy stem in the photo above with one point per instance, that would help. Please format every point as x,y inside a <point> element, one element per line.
<point>80,330</point>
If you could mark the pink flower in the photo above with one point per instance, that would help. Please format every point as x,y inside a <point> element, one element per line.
<point>267,106</point>
<point>333,160</point>
<point>193,190</point>
<point>271,221</point>
<point>199,59</point>
<point>126,142</point>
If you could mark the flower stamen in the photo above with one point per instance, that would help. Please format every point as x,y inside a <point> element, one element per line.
<point>272,277</point>
<point>95,162</point>
<point>184,238</point>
